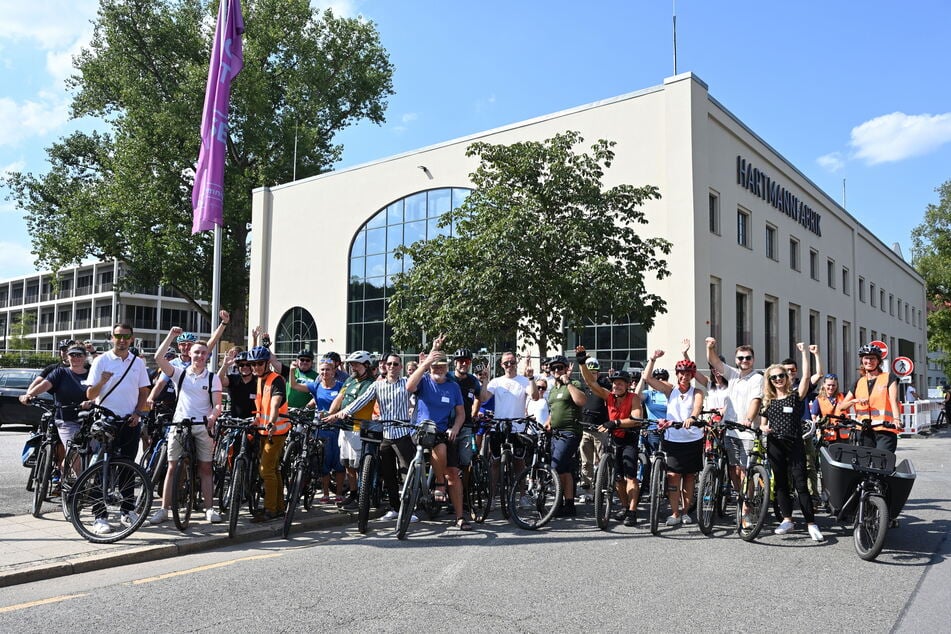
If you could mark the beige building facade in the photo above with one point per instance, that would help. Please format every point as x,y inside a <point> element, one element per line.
<point>760,254</point>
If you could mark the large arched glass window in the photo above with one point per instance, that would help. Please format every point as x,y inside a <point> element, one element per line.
<point>295,331</point>
<point>373,265</point>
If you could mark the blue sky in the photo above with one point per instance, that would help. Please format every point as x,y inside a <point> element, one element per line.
<point>854,91</point>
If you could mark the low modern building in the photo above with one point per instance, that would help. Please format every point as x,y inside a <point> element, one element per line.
<point>760,256</point>
<point>85,303</point>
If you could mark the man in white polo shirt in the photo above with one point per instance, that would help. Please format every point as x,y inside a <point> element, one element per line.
<point>199,398</point>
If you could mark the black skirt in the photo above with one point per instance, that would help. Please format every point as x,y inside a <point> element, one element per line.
<point>683,457</point>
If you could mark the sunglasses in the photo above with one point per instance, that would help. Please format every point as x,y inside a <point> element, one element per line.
<point>77,354</point>
<point>558,368</point>
<point>305,360</point>
<point>506,364</point>
<point>747,357</point>
<point>258,363</point>
<point>394,364</point>
<point>542,386</point>
<point>121,337</point>
<point>778,377</point>
<point>243,365</point>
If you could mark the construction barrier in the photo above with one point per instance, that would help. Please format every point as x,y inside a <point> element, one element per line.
<point>918,416</point>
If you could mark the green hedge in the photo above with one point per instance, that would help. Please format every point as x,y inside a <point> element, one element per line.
<point>27,359</point>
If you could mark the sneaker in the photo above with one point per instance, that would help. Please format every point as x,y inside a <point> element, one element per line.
<point>55,477</point>
<point>128,519</point>
<point>568,510</point>
<point>324,500</point>
<point>526,502</point>
<point>630,518</point>
<point>351,504</point>
<point>672,520</point>
<point>101,527</point>
<point>686,519</point>
<point>413,519</point>
<point>390,515</point>
<point>784,528</point>
<point>815,533</point>
<point>212,516</point>
<point>158,516</point>
<point>621,515</point>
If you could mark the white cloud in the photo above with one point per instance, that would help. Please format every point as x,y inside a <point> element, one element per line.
<point>15,166</point>
<point>405,120</point>
<point>832,162</point>
<point>408,117</point>
<point>59,63</point>
<point>15,260</point>
<point>340,8</point>
<point>897,136</point>
<point>53,24</point>
<point>21,120</point>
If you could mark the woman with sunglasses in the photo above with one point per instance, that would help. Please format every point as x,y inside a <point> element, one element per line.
<point>829,403</point>
<point>782,411</point>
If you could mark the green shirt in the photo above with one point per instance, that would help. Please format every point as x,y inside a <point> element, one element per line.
<point>295,398</point>
<point>564,413</point>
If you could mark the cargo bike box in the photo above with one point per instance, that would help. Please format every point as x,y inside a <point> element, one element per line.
<point>844,466</point>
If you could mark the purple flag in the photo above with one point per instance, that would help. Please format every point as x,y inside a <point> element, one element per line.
<point>227,59</point>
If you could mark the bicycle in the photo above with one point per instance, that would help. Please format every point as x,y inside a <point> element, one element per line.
<point>658,482</point>
<point>305,469</point>
<point>244,472</point>
<point>606,478</point>
<point>112,490</point>
<point>478,489</point>
<point>417,486</point>
<point>41,475</point>
<point>185,475</point>
<point>155,461</point>
<point>755,489</point>
<point>79,455</point>
<point>370,485</point>
<point>502,468</point>
<point>536,490</point>
<point>714,487</point>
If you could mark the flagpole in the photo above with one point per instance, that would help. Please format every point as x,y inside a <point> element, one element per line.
<point>215,294</point>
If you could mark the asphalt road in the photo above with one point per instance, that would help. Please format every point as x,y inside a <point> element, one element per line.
<point>14,498</point>
<point>569,577</point>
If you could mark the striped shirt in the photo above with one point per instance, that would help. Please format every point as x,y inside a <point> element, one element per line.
<point>393,401</point>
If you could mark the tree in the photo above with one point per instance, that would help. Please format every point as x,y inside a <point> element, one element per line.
<point>19,330</point>
<point>126,192</point>
<point>539,246</point>
<point>931,257</point>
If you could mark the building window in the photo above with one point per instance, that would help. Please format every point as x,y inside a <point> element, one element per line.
<point>814,264</point>
<point>743,335</point>
<point>373,265</point>
<point>830,344</point>
<point>771,242</point>
<point>830,272</point>
<point>715,307</point>
<point>714,204</point>
<point>743,228</point>
<point>847,359</point>
<point>871,294</point>
<point>907,316</point>
<point>861,289</point>
<point>295,331</point>
<point>862,339</point>
<point>813,327</point>
<point>881,300</point>
<point>621,343</point>
<point>794,254</point>
<point>793,333</point>
<point>846,282</point>
<point>770,329</point>
<point>891,304</point>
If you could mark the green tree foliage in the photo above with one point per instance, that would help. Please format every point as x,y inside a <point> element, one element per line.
<point>540,245</point>
<point>125,192</point>
<point>931,256</point>
<point>19,330</point>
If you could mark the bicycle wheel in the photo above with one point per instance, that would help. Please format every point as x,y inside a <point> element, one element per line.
<point>367,484</point>
<point>534,497</point>
<point>756,493</point>
<point>293,499</point>
<point>869,532</point>
<point>603,483</point>
<point>707,498</point>
<point>238,477</point>
<point>44,468</point>
<point>723,484</point>
<point>479,489</point>
<point>493,477</point>
<point>73,465</point>
<point>505,484</point>
<point>158,468</point>
<point>658,481</point>
<point>183,490</point>
<point>408,499</point>
<point>120,495</point>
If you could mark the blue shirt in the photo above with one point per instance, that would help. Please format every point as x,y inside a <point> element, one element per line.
<point>656,404</point>
<point>437,401</point>
<point>323,396</point>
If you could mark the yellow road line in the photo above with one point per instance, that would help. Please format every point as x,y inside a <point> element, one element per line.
<point>21,606</point>
<point>220,564</point>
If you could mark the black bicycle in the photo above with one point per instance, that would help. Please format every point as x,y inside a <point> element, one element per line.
<point>245,485</point>
<point>478,487</point>
<point>41,474</point>
<point>536,491</point>
<point>370,485</point>
<point>714,487</point>
<point>659,481</point>
<point>111,498</point>
<point>502,469</point>
<point>155,460</point>
<point>305,469</point>
<point>185,489</point>
<point>606,476</point>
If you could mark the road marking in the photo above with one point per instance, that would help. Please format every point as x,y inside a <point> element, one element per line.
<point>220,564</point>
<point>21,606</point>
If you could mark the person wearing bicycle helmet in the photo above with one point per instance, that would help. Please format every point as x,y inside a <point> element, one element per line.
<point>782,407</point>
<point>323,391</point>
<point>565,403</point>
<point>299,372</point>
<point>875,397</point>
<point>684,446</point>
<point>273,426</point>
<point>359,381</point>
<point>471,388</point>
<point>595,412</point>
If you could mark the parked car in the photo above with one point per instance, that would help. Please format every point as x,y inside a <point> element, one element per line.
<point>14,382</point>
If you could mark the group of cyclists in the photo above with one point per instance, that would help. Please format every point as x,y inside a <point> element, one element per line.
<point>641,411</point>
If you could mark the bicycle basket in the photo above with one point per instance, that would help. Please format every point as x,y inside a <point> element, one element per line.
<point>425,434</point>
<point>30,447</point>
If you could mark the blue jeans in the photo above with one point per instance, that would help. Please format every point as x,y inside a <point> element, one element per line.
<point>564,451</point>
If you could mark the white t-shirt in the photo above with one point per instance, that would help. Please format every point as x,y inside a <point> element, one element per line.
<point>911,394</point>
<point>739,393</point>
<point>679,408</point>
<point>125,397</point>
<point>511,397</point>
<point>194,400</point>
<point>538,409</point>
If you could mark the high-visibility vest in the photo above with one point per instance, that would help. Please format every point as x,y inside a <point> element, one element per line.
<point>826,408</point>
<point>263,403</point>
<point>879,404</point>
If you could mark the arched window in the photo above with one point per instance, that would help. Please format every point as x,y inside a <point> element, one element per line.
<point>295,331</point>
<point>373,265</point>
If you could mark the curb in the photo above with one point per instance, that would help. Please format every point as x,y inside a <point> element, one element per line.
<point>90,563</point>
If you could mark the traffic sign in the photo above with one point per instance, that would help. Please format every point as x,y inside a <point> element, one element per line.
<point>881,345</point>
<point>903,366</point>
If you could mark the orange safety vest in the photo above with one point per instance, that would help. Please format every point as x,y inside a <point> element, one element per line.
<point>879,404</point>
<point>263,406</point>
<point>825,409</point>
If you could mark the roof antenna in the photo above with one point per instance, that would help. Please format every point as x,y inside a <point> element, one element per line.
<point>674,3</point>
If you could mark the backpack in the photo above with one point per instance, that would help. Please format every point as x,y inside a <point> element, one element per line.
<point>181,381</point>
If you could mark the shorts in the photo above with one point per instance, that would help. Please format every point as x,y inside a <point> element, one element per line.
<point>204,444</point>
<point>564,451</point>
<point>350,448</point>
<point>737,450</point>
<point>683,457</point>
<point>67,430</point>
<point>452,451</point>
<point>465,447</point>
<point>625,462</point>
<point>331,462</point>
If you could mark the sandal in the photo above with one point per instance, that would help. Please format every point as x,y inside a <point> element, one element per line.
<point>440,495</point>
<point>462,524</point>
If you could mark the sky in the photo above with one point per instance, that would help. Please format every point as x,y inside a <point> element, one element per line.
<point>846,91</point>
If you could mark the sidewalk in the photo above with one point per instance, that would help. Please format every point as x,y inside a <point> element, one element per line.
<point>33,549</point>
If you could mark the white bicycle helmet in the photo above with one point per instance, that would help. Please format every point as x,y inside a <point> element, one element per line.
<point>360,356</point>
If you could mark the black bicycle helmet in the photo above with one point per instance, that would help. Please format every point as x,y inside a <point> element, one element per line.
<point>623,375</point>
<point>661,374</point>
<point>259,353</point>
<point>869,349</point>
<point>241,357</point>
<point>558,359</point>
<point>305,354</point>
<point>462,353</point>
